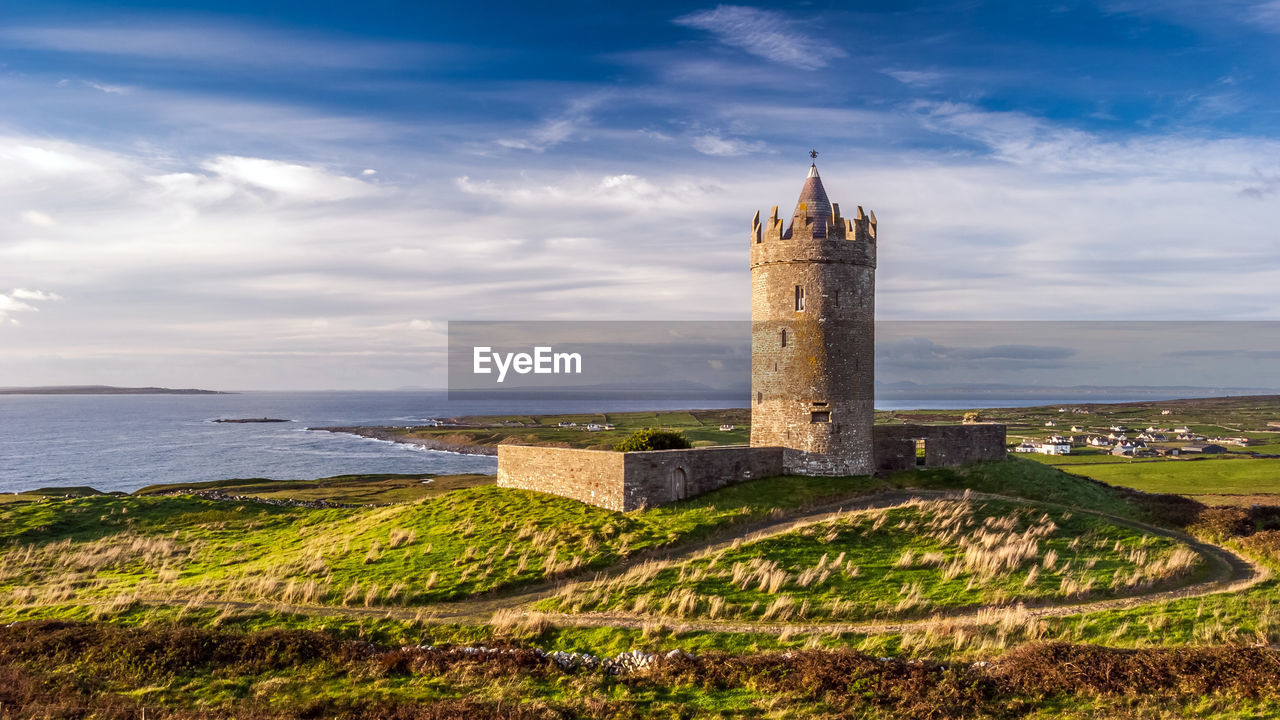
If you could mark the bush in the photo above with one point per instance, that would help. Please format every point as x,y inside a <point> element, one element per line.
<point>653,439</point>
<point>1221,523</point>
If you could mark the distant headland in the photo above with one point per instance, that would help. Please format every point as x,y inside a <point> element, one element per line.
<point>104,390</point>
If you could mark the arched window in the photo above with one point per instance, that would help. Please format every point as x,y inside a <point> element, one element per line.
<point>784,337</point>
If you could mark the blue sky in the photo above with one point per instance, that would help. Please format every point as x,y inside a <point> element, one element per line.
<point>279,195</point>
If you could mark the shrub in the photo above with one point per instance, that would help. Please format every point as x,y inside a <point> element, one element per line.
<point>653,439</point>
<point>1223,522</point>
<point>1263,542</point>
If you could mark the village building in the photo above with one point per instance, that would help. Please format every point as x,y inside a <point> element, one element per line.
<point>1203,449</point>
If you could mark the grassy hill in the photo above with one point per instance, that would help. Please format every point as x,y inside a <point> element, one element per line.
<point>270,606</point>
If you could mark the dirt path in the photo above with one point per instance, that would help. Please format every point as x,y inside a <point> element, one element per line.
<point>1228,573</point>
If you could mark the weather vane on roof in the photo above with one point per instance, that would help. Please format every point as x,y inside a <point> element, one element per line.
<point>813,154</point>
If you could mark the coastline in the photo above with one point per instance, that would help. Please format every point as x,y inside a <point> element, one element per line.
<point>386,435</point>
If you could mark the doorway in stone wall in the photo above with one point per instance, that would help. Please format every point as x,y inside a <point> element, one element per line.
<point>920,452</point>
<point>679,483</point>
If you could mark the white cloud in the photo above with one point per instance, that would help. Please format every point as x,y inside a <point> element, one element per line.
<point>24,294</point>
<point>610,193</point>
<point>714,144</point>
<point>914,78</point>
<point>770,35</point>
<point>301,183</point>
<point>109,89</point>
<point>20,300</point>
<point>1266,15</point>
<point>227,45</point>
<point>37,218</point>
<point>558,129</point>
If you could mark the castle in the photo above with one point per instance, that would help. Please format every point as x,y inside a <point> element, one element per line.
<point>812,382</point>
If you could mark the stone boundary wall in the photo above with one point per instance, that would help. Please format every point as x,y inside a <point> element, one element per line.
<point>630,481</point>
<point>944,445</point>
<point>658,477</point>
<point>593,476</point>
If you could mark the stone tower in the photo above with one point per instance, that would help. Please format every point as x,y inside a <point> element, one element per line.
<point>813,335</point>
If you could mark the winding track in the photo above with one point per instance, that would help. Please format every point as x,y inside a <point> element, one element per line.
<point>1230,573</point>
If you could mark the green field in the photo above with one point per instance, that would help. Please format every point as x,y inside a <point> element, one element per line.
<point>700,427</point>
<point>1191,477</point>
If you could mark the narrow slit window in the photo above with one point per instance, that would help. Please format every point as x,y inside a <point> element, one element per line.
<point>799,298</point>
<point>835,299</point>
<point>784,337</point>
<point>759,398</point>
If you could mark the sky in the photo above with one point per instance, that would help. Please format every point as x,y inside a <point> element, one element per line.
<point>287,196</point>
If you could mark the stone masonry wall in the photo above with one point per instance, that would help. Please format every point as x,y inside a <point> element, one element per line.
<point>629,481</point>
<point>657,477</point>
<point>944,445</point>
<point>593,476</point>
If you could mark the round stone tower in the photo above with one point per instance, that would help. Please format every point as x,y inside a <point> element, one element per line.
<point>813,335</point>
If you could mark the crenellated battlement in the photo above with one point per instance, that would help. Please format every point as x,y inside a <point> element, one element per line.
<point>816,232</point>
<point>807,226</point>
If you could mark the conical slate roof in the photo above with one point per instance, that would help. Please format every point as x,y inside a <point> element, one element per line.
<point>814,197</point>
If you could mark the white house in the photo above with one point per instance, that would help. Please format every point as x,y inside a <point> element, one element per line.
<point>1054,448</point>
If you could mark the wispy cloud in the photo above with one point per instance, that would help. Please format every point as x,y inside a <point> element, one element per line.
<point>36,218</point>
<point>225,45</point>
<point>1266,15</point>
<point>623,191</point>
<point>557,129</point>
<point>714,144</point>
<point>914,78</point>
<point>765,33</point>
<point>20,300</point>
<point>303,183</point>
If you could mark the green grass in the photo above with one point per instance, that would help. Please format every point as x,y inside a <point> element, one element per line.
<point>471,540</point>
<point>1024,478</point>
<point>1192,477</point>
<point>928,557</point>
<point>369,489</point>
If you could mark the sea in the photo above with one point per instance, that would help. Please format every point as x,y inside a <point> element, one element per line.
<point>127,442</point>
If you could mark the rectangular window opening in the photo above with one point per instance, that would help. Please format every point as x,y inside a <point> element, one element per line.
<point>799,298</point>
<point>820,416</point>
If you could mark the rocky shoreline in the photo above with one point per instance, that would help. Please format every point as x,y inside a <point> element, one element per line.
<point>389,435</point>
